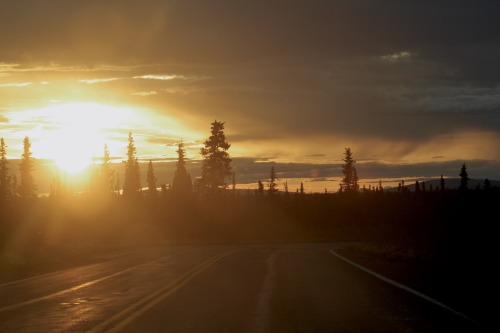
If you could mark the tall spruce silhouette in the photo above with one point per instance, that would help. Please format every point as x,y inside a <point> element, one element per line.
<point>151,178</point>
<point>272,185</point>
<point>350,180</point>
<point>216,167</point>
<point>4,169</point>
<point>182,186</point>
<point>464,178</point>
<point>27,187</point>
<point>107,174</point>
<point>102,182</point>
<point>260,188</point>
<point>132,181</point>
<point>441,184</point>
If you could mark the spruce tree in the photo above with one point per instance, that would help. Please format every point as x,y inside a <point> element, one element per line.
<point>216,165</point>
<point>132,182</point>
<point>441,184</point>
<point>27,187</point>
<point>181,184</point>
<point>151,178</point>
<point>152,194</point>
<point>260,188</point>
<point>350,180</point>
<point>272,186</point>
<point>107,174</point>
<point>464,177</point>
<point>417,186</point>
<point>102,181</point>
<point>4,169</point>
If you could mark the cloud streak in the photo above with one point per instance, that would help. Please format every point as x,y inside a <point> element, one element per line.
<point>159,77</point>
<point>93,81</point>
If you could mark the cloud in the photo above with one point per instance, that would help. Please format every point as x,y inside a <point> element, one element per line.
<point>397,56</point>
<point>159,77</point>
<point>145,93</point>
<point>93,81</point>
<point>5,67</point>
<point>165,141</point>
<point>23,84</point>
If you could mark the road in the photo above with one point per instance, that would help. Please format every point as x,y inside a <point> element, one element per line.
<point>247,288</point>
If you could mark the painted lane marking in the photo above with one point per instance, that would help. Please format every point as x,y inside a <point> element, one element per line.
<point>65,291</point>
<point>80,286</point>
<point>402,286</point>
<point>135,310</point>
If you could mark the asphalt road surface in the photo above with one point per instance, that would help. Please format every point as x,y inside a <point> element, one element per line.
<point>248,288</point>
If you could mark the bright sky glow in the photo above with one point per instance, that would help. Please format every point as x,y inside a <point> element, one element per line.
<point>73,134</point>
<point>325,76</point>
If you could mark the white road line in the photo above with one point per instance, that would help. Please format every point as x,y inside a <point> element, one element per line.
<point>401,286</point>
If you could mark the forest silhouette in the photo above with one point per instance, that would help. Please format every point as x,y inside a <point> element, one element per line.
<point>449,230</point>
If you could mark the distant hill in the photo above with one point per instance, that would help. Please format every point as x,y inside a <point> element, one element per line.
<point>449,183</point>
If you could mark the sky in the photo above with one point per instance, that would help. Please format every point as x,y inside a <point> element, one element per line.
<point>412,87</point>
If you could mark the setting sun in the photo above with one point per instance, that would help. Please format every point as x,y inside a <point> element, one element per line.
<point>73,134</point>
<point>72,149</point>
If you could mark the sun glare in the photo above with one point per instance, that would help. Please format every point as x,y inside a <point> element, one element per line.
<point>75,133</point>
<point>72,148</point>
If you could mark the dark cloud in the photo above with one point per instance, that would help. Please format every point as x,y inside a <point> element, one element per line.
<point>243,31</point>
<point>251,170</point>
<point>387,71</point>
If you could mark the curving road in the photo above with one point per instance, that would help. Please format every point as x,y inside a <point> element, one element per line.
<point>248,288</point>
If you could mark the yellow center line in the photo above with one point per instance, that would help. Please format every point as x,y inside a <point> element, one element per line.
<point>65,291</point>
<point>133,311</point>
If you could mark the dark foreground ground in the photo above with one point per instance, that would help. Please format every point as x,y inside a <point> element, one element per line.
<point>442,245</point>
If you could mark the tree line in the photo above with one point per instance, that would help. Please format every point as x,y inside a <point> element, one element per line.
<point>216,173</point>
